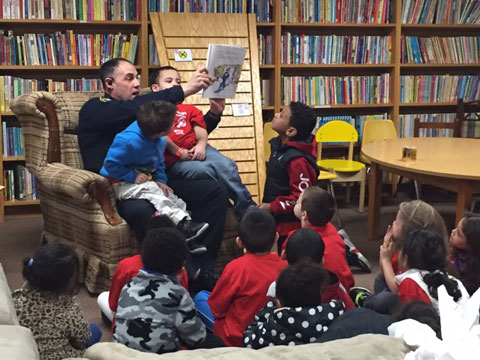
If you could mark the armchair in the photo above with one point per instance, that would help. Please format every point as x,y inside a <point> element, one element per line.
<point>78,206</point>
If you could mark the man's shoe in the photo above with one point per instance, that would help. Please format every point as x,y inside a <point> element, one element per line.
<point>195,248</point>
<point>191,229</point>
<point>206,280</point>
<point>358,295</point>
<point>354,257</point>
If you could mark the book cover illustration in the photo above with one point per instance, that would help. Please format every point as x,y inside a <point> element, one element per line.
<point>224,64</point>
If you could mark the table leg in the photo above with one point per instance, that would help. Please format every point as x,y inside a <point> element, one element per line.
<point>374,198</point>
<point>464,200</point>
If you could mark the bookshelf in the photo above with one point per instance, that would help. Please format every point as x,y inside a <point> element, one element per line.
<point>383,19</point>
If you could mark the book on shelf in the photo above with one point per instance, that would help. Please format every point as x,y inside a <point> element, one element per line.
<point>335,49</point>
<point>266,92</point>
<point>65,48</point>
<point>406,124</point>
<point>336,90</point>
<point>438,88</point>
<point>224,63</point>
<point>265,49</point>
<point>19,184</point>
<point>125,10</point>
<point>12,139</point>
<point>336,11</point>
<point>440,12</point>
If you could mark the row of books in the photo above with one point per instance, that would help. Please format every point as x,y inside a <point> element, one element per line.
<point>338,11</point>
<point>265,49</point>
<point>440,50</point>
<point>12,140</point>
<point>356,121</point>
<point>65,48</point>
<point>152,51</point>
<point>128,10</point>
<point>336,90</point>
<point>406,124</point>
<point>440,12</point>
<point>19,184</point>
<point>11,87</point>
<point>439,88</point>
<point>205,6</point>
<point>335,49</point>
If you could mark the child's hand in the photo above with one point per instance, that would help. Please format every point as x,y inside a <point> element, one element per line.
<point>388,238</point>
<point>185,156</point>
<point>141,178</point>
<point>197,152</point>
<point>167,190</point>
<point>217,106</point>
<point>387,251</point>
<point>265,206</point>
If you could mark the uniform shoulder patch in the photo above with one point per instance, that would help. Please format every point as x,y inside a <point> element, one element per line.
<point>104,99</point>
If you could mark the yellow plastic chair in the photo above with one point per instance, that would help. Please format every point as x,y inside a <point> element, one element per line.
<point>345,170</point>
<point>268,134</point>
<point>377,130</point>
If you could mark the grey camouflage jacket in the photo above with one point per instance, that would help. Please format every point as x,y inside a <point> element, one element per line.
<point>156,314</point>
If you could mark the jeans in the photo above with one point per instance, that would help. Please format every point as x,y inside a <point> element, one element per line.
<point>217,167</point>
<point>96,335</point>
<point>206,199</point>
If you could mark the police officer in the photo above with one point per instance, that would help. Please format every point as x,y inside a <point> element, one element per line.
<point>100,119</point>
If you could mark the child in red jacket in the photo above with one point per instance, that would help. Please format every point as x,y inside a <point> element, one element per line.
<point>240,292</point>
<point>292,166</point>
<point>315,209</point>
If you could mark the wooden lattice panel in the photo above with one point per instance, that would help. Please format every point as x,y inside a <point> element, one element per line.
<point>240,138</point>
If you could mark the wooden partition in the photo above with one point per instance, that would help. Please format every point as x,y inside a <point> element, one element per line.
<point>240,138</point>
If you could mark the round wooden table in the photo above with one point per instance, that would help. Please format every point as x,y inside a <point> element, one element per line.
<point>449,163</point>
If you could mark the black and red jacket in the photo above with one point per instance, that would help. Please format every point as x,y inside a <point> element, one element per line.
<point>290,170</point>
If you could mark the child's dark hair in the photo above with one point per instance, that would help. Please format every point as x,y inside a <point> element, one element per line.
<point>155,117</point>
<point>301,284</point>
<point>319,205</point>
<point>108,68</point>
<point>164,250</point>
<point>154,74</point>
<point>425,250</point>
<point>304,244</point>
<point>471,230</point>
<point>420,311</point>
<point>257,231</point>
<point>303,119</point>
<point>53,268</point>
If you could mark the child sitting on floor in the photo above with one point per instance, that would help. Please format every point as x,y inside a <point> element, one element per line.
<point>155,313</point>
<point>298,314</point>
<point>47,305</point>
<point>240,291</point>
<point>465,241</point>
<point>135,165</point>
<point>188,154</point>
<point>424,257</point>
<point>128,268</point>
<point>315,208</point>
<point>306,244</point>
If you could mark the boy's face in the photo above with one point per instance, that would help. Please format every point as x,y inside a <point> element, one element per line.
<point>281,122</point>
<point>166,80</point>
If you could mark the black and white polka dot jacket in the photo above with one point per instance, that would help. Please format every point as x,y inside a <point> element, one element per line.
<point>290,326</point>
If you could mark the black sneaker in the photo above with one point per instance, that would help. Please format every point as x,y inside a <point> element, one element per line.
<point>191,229</point>
<point>195,248</point>
<point>358,295</point>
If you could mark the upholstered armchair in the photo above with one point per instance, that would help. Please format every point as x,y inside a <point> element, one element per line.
<point>78,206</point>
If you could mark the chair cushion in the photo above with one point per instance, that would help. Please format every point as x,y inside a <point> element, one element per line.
<point>17,343</point>
<point>8,316</point>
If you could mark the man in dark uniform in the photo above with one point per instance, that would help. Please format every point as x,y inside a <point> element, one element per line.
<point>100,119</point>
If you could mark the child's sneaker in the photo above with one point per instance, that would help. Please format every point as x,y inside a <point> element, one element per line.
<point>358,295</point>
<point>354,257</point>
<point>195,248</point>
<point>191,229</point>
